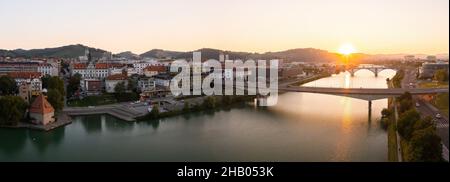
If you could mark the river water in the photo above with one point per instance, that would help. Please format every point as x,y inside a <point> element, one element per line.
<point>301,127</point>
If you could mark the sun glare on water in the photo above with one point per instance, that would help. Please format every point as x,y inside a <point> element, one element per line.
<point>347,49</point>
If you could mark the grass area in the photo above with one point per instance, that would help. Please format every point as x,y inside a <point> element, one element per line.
<point>433,85</point>
<point>392,142</point>
<point>94,100</point>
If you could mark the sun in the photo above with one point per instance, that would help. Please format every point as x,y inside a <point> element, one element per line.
<point>347,49</point>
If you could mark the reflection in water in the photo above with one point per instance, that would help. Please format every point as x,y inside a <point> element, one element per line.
<point>91,124</point>
<point>301,127</point>
<point>43,140</point>
<point>12,141</point>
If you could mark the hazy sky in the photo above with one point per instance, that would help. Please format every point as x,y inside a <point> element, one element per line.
<point>372,26</point>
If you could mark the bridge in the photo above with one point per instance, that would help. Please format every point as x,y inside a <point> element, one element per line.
<point>375,69</point>
<point>368,94</point>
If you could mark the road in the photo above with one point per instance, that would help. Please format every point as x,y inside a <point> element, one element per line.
<point>427,109</point>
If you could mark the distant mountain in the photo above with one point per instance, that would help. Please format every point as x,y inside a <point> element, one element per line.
<point>127,55</point>
<point>301,54</point>
<point>159,53</point>
<point>70,51</point>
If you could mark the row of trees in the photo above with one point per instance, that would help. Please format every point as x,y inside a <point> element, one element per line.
<point>420,133</point>
<point>208,104</point>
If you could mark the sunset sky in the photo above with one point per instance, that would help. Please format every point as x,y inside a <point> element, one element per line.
<point>371,26</point>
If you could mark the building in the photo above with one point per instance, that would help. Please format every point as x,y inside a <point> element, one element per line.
<point>41,111</point>
<point>112,80</point>
<point>431,58</point>
<point>163,80</point>
<point>146,84</point>
<point>32,78</point>
<point>428,69</point>
<point>154,70</point>
<point>92,86</point>
<point>25,91</point>
<point>29,66</point>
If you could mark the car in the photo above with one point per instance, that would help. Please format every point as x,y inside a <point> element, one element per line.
<point>417,104</point>
<point>90,107</point>
<point>438,116</point>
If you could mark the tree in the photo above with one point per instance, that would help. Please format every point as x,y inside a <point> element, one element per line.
<point>45,79</point>
<point>386,113</point>
<point>56,83</point>
<point>120,87</point>
<point>406,102</point>
<point>423,123</point>
<point>132,84</point>
<point>56,99</point>
<point>209,103</point>
<point>7,85</point>
<point>155,112</point>
<point>441,75</point>
<point>406,122</point>
<point>12,110</point>
<point>73,85</point>
<point>425,146</point>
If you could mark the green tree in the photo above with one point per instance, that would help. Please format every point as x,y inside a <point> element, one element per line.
<point>425,146</point>
<point>45,79</point>
<point>386,113</point>
<point>120,87</point>
<point>73,84</point>
<point>56,83</point>
<point>155,112</point>
<point>12,110</point>
<point>424,123</point>
<point>56,99</point>
<point>209,102</point>
<point>406,102</point>
<point>441,75</point>
<point>7,85</point>
<point>132,84</point>
<point>406,122</point>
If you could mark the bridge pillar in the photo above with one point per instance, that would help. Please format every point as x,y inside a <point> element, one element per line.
<point>352,72</point>
<point>370,110</point>
<point>376,72</point>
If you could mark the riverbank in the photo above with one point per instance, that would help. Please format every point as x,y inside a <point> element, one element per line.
<point>62,120</point>
<point>393,140</point>
<point>309,79</point>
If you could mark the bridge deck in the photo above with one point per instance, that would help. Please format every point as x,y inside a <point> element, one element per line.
<point>366,91</point>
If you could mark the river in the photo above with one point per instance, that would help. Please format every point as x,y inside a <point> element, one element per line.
<point>301,127</point>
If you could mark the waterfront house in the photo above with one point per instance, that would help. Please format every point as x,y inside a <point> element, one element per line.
<point>41,111</point>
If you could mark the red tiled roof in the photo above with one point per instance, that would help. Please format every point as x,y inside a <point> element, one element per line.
<point>101,66</point>
<point>41,106</point>
<point>79,66</point>
<point>155,68</point>
<point>24,74</point>
<point>117,77</point>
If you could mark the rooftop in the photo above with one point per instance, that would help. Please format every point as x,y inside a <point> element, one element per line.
<point>41,106</point>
